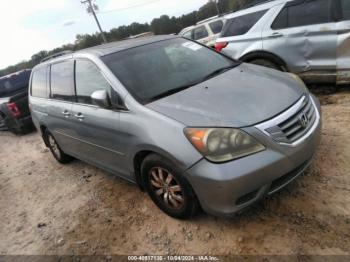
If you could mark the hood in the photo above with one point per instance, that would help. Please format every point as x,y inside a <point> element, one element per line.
<point>242,96</point>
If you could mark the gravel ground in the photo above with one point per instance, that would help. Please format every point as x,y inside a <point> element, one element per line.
<point>48,208</point>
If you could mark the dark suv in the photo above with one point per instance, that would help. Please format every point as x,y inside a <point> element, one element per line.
<point>14,109</point>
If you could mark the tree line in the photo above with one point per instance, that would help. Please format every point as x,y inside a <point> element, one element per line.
<point>162,25</point>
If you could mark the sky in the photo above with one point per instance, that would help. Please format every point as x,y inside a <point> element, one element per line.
<point>29,26</point>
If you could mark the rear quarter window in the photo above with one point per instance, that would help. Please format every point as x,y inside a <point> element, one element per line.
<point>62,81</point>
<point>39,88</point>
<point>200,32</point>
<point>242,24</point>
<point>188,35</point>
<point>216,26</point>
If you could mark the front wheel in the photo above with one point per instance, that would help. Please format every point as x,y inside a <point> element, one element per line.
<point>168,189</point>
<point>55,149</point>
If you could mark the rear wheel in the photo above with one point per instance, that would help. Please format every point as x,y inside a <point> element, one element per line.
<point>168,189</point>
<point>266,63</point>
<point>55,149</point>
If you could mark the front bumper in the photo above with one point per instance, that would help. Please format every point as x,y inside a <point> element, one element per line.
<point>225,189</point>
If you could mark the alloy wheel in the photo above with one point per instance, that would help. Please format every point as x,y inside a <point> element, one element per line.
<point>166,188</point>
<point>54,146</point>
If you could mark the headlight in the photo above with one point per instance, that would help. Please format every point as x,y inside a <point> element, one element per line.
<point>222,144</point>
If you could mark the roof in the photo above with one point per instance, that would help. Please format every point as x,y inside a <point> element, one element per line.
<point>110,48</point>
<point>114,47</point>
<point>257,7</point>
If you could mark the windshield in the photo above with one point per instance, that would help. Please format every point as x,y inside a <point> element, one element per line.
<point>159,69</point>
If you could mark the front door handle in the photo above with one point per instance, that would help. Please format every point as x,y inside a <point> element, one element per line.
<point>66,113</point>
<point>80,116</point>
<point>275,35</point>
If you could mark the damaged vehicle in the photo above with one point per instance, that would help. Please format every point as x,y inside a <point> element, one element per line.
<point>189,125</point>
<point>14,110</point>
<point>310,38</point>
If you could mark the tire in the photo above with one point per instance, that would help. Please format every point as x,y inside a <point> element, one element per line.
<point>3,126</point>
<point>55,149</point>
<point>266,63</point>
<point>22,130</point>
<point>168,189</point>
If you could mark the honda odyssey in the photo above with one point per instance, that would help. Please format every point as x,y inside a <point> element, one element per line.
<point>190,126</point>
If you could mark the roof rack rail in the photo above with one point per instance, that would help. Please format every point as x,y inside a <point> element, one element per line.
<point>255,3</point>
<point>207,19</point>
<point>56,55</point>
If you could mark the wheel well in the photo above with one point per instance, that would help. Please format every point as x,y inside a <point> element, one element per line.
<point>138,159</point>
<point>43,129</point>
<point>265,55</point>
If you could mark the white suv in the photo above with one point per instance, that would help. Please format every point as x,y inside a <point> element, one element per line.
<point>310,38</point>
<point>205,32</point>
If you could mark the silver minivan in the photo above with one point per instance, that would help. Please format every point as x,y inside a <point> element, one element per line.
<point>189,125</point>
<point>310,38</point>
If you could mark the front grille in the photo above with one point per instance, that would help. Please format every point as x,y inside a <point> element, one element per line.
<point>296,126</point>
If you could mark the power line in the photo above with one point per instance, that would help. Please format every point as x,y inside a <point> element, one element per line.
<point>129,7</point>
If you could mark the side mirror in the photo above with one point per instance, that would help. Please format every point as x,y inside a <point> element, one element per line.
<point>101,98</point>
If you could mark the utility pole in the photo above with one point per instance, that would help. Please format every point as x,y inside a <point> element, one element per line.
<point>91,9</point>
<point>217,6</point>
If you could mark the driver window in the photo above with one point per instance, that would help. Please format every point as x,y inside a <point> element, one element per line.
<point>88,80</point>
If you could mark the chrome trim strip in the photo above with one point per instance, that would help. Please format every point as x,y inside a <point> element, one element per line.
<point>89,143</point>
<point>286,115</point>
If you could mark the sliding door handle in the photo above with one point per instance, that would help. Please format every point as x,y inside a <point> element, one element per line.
<point>80,116</point>
<point>66,113</point>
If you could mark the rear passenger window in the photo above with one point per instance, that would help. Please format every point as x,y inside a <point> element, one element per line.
<point>242,24</point>
<point>39,83</point>
<point>200,32</point>
<point>88,80</point>
<point>309,12</point>
<point>345,6</point>
<point>62,81</point>
<point>216,26</point>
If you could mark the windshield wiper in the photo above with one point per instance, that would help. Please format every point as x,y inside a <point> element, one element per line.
<point>181,88</point>
<point>174,90</point>
<point>218,71</point>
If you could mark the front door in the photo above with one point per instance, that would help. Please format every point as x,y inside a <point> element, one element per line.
<point>95,128</point>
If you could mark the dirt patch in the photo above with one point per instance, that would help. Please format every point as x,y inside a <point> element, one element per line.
<point>48,208</point>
